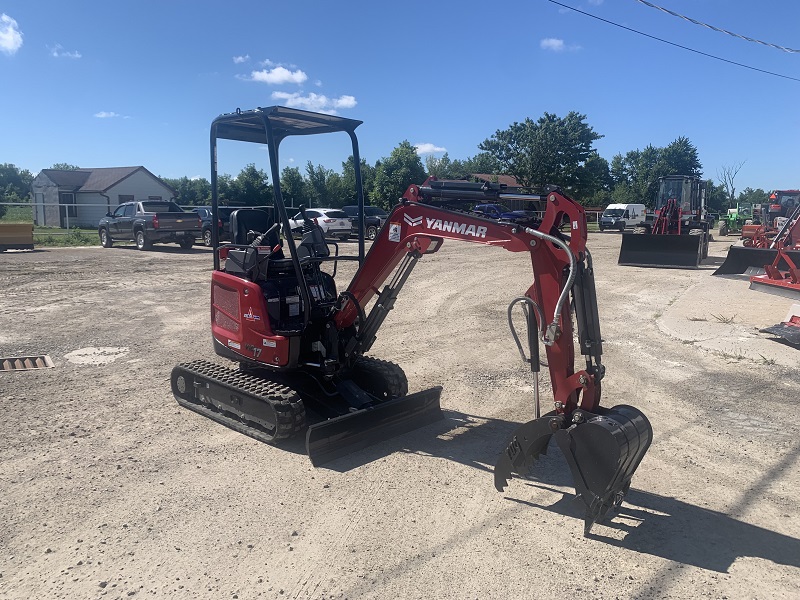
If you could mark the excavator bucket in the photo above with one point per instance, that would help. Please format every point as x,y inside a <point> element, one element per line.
<point>339,436</point>
<point>603,451</point>
<point>741,258</point>
<point>668,250</point>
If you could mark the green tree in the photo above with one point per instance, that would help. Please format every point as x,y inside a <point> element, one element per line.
<point>349,179</point>
<point>226,189</point>
<point>716,198</point>
<point>634,177</point>
<point>251,187</point>
<point>395,173</point>
<point>65,167</point>
<point>191,192</point>
<point>757,196</point>
<point>293,187</point>
<point>15,185</point>
<point>483,162</point>
<point>317,190</point>
<point>551,150</point>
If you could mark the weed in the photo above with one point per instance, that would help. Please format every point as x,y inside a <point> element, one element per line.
<point>697,318</point>
<point>723,319</point>
<point>767,361</point>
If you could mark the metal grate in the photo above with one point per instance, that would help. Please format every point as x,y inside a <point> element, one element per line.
<point>24,363</point>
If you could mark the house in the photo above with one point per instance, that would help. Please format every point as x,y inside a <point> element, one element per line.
<point>507,180</point>
<point>80,198</point>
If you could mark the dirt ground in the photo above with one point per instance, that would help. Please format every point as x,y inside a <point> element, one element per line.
<point>108,489</point>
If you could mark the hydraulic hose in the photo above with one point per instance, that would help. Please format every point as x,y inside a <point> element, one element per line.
<point>552,329</point>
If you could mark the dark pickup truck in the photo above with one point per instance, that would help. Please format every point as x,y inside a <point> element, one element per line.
<point>148,222</point>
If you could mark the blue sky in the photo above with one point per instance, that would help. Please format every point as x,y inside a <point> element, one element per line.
<point>120,83</point>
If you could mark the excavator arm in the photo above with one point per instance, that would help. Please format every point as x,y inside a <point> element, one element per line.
<point>602,446</point>
<point>559,266</point>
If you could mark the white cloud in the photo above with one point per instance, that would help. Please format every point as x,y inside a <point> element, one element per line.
<point>552,44</point>
<point>596,2</point>
<point>318,83</point>
<point>106,115</point>
<point>240,59</point>
<point>315,102</point>
<point>277,76</point>
<point>428,148</point>
<point>58,51</point>
<point>556,45</point>
<point>10,35</point>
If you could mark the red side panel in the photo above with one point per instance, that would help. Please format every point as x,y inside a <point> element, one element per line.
<point>239,320</point>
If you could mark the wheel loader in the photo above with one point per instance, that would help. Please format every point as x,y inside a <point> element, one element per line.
<point>301,347</point>
<point>678,236</point>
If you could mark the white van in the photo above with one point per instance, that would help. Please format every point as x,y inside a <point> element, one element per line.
<point>620,216</point>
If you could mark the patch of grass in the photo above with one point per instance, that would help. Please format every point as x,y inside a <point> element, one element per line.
<point>697,319</point>
<point>60,238</point>
<point>767,361</point>
<point>724,319</point>
<point>657,315</point>
<point>737,356</point>
<point>18,214</point>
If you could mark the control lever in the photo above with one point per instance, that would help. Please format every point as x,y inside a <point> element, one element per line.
<point>260,237</point>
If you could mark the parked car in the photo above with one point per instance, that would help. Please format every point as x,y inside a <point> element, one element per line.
<point>223,222</point>
<point>501,211</point>
<point>147,222</point>
<point>374,218</point>
<point>333,222</point>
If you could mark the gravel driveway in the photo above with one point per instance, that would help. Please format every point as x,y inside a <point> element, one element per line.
<point>109,489</point>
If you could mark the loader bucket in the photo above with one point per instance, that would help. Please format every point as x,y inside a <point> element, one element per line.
<point>741,258</point>
<point>603,451</point>
<point>342,435</point>
<point>651,250</point>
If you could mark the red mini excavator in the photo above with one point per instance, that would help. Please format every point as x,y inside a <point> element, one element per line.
<point>301,346</point>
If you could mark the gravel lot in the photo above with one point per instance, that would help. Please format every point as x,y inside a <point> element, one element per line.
<point>109,489</point>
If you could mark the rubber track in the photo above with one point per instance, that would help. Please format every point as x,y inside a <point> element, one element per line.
<point>289,412</point>
<point>389,372</point>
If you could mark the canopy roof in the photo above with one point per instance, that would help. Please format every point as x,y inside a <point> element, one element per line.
<point>251,125</point>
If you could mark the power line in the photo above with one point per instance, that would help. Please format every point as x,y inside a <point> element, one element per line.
<point>736,35</point>
<point>674,44</point>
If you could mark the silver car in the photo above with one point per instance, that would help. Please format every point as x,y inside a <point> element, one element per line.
<point>334,222</point>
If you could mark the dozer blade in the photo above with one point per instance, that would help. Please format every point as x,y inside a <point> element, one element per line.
<point>669,251</point>
<point>603,452</point>
<point>741,258</point>
<point>339,436</point>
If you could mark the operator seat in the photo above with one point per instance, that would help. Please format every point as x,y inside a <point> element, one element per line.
<point>245,220</point>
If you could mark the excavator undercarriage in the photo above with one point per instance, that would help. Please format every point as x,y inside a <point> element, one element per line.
<point>301,346</point>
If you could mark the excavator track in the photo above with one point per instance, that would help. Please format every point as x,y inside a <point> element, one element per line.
<point>262,409</point>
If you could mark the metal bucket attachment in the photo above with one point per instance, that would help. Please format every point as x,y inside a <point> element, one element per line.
<point>343,435</point>
<point>651,250</point>
<point>603,452</point>
<point>529,441</point>
<point>740,258</point>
